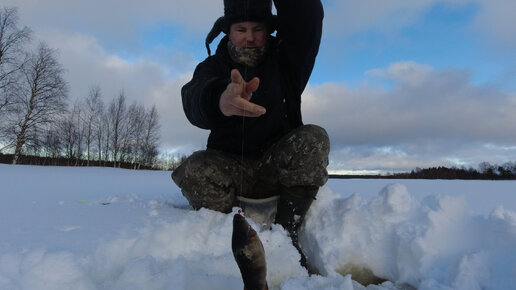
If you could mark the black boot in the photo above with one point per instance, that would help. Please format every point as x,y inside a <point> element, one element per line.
<point>293,205</point>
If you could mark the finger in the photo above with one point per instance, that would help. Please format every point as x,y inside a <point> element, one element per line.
<point>242,113</point>
<point>248,108</point>
<point>236,77</point>
<point>235,90</point>
<point>251,87</point>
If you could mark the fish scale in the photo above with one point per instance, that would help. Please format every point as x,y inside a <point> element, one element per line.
<point>249,254</point>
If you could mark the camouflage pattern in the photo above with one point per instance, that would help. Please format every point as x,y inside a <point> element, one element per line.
<point>213,178</point>
<point>247,56</point>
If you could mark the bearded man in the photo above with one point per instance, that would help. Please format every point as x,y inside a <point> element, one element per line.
<point>260,156</point>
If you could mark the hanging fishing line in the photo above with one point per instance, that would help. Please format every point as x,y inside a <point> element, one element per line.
<point>246,7</point>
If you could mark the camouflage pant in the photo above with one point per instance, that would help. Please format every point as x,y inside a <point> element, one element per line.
<point>213,178</point>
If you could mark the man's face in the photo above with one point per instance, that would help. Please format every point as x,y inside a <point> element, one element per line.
<point>248,34</point>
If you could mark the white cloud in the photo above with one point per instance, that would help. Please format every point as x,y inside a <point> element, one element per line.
<point>422,104</point>
<point>409,73</point>
<point>496,21</point>
<point>177,133</point>
<point>427,116</point>
<point>120,21</point>
<point>407,157</point>
<point>87,64</point>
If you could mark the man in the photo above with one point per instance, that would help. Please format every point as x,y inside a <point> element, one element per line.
<point>249,95</point>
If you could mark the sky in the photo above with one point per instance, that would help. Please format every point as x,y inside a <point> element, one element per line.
<point>397,84</point>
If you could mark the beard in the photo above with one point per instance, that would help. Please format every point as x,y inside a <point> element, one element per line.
<point>247,56</point>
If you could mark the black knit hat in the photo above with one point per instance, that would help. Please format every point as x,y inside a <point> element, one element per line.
<point>242,10</point>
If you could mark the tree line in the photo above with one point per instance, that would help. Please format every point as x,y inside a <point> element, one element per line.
<point>506,171</point>
<point>36,118</point>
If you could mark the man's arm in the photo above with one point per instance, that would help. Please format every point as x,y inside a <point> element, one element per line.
<point>300,30</point>
<point>201,97</point>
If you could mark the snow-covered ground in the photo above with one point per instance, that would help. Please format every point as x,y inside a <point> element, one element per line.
<point>104,228</point>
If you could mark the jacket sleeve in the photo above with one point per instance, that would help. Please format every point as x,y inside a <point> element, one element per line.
<point>300,30</point>
<point>202,94</point>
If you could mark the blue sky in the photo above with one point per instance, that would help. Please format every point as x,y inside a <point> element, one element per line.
<point>398,84</point>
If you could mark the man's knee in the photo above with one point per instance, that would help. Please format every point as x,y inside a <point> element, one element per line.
<point>307,141</point>
<point>308,145</point>
<point>301,157</point>
<point>206,180</point>
<point>313,137</point>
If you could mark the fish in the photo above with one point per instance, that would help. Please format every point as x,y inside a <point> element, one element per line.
<point>249,254</point>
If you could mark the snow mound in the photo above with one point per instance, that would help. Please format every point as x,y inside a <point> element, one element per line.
<point>433,244</point>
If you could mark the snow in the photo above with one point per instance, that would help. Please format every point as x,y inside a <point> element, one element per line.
<point>105,228</point>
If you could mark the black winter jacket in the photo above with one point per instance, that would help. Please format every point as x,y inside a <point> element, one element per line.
<point>283,76</point>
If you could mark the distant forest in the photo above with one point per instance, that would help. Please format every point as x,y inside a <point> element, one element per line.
<point>161,162</point>
<point>486,171</point>
<point>506,171</point>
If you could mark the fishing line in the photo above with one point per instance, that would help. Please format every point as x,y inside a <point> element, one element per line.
<point>242,168</point>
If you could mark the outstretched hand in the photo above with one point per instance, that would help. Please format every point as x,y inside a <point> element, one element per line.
<point>234,101</point>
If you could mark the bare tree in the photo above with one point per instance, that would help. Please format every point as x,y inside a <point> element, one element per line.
<point>117,122</point>
<point>78,120</point>
<point>12,57</point>
<point>53,142</point>
<point>140,136</point>
<point>151,138</point>
<point>102,135</point>
<point>72,133</point>
<point>136,123</point>
<point>42,97</point>
<point>132,132</point>
<point>94,109</point>
<point>106,139</point>
<point>485,167</point>
<point>67,132</point>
